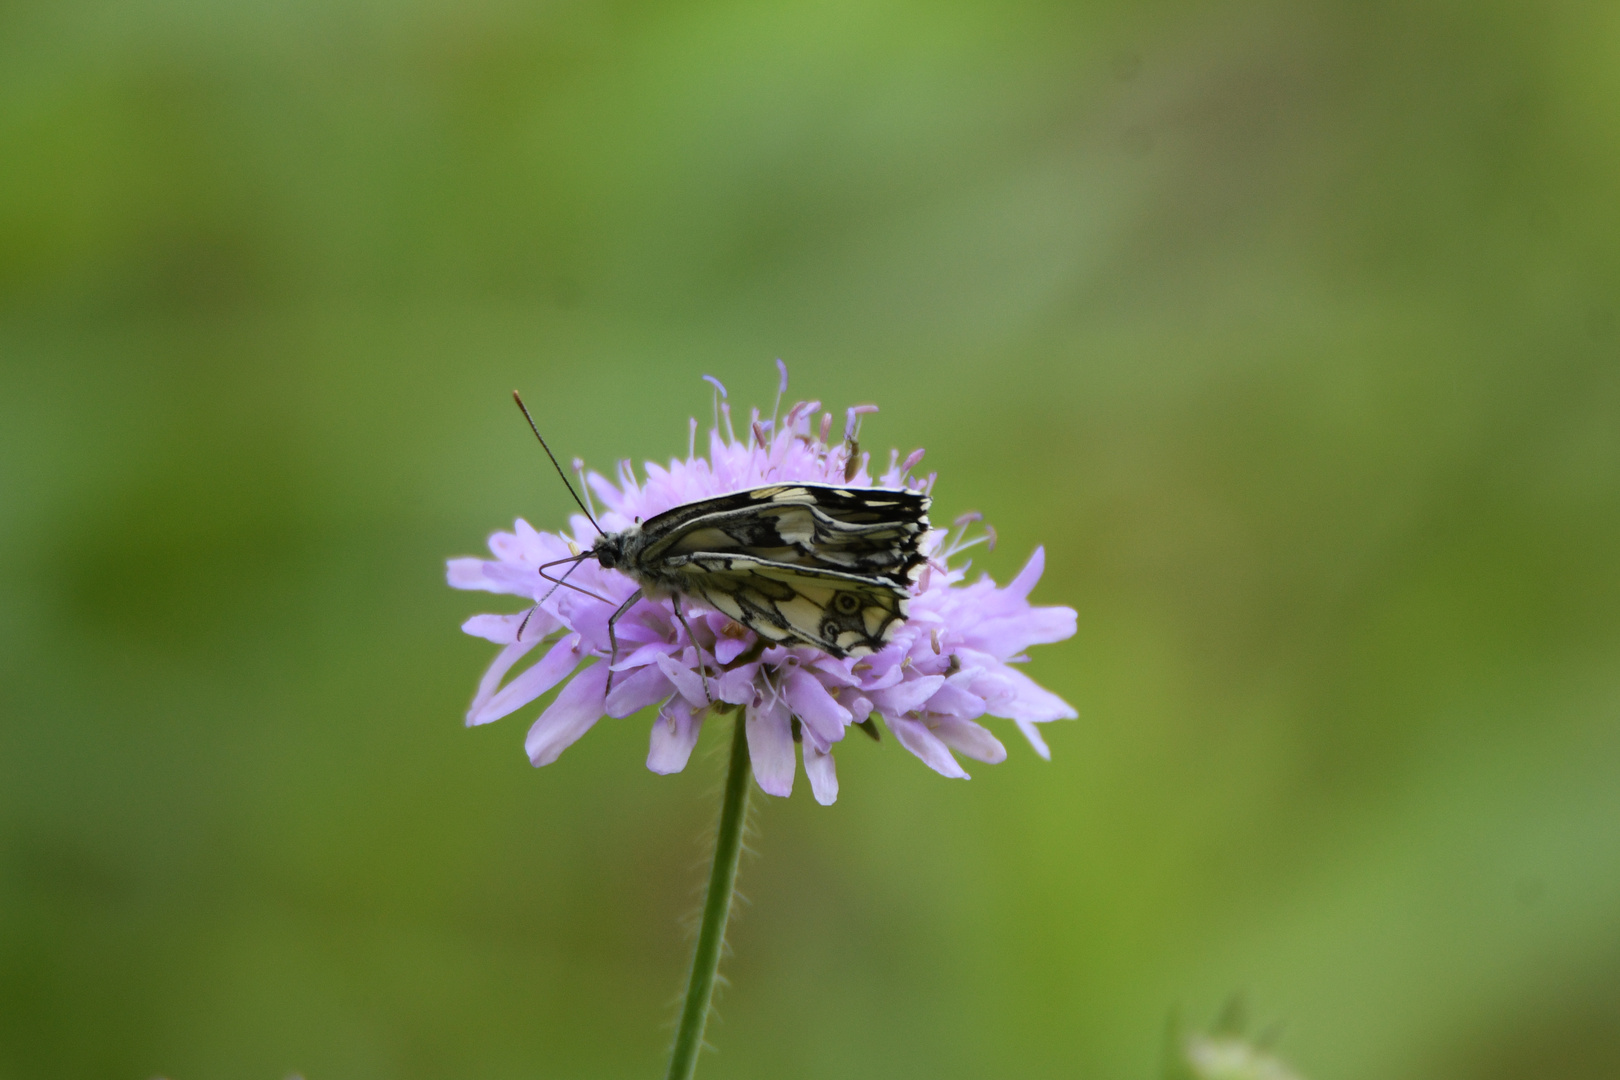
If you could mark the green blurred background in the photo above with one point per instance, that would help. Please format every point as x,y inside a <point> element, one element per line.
<point>1292,329</point>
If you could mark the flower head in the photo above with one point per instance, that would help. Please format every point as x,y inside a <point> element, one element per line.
<point>948,665</point>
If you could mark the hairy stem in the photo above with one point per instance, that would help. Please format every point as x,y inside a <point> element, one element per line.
<point>716,909</point>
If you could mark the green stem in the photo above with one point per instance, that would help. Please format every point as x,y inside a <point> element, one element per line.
<point>716,909</point>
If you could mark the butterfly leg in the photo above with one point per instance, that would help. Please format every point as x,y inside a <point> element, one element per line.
<point>613,637</point>
<point>675,601</point>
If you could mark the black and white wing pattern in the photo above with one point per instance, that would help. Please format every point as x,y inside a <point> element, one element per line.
<point>872,532</point>
<point>841,614</point>
<point>816,564</point>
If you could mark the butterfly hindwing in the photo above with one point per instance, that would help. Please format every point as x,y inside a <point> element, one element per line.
<point>841,614</point>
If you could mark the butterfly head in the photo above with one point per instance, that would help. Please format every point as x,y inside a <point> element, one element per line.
<point>609,550</point>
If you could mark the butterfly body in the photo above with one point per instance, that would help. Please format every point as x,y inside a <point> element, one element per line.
<point>812,564</point>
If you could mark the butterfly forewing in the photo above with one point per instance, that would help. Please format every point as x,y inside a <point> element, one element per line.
<point>870,532</point>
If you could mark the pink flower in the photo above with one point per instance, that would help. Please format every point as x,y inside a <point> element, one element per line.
<point>950,664</point>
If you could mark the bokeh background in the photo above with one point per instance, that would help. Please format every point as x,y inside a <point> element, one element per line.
<point>1291,329</point>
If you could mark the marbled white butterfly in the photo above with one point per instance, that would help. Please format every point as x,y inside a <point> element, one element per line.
<point>803,564</point>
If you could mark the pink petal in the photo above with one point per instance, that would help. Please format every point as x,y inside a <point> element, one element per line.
<point>916,737</point>
<point>548,672</point>
<point>495,577</point>
<point>590,618</point>
<point>542,622</point>
<point>603,488</point>
<point>646,654</point>
<point>1005,636</point>
<point>501,629</point>
<point>906,696</point>
<point>1028,576</point>
<point>634,692</point>
<point>1030,732</point>
<point>674,734</point>
<point>728,648</point>
<point>815,707</point>
<point>966,737</point>
<point>687,681</point>
<point>834,670</point>
<point>517,578</point>
<point>497,671</point>
<point>882,669</point>
<point>536,544</point>
<point>532,542</point>
<point>770,746</point>
<point>584,532</point>
<point>465,573</point>
<point>818,766</point>
<point>576,709</point>
<point>955,700</point>
<point>1030,700</point>
<point>737,685</point>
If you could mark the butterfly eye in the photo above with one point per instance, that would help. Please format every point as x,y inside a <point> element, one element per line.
<point>846,603</point>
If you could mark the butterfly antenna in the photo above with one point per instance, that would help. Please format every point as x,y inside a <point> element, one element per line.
<point>560,582</point>
<point>517,397</point>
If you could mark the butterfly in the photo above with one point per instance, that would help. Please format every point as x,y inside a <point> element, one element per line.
<point>822,565</point>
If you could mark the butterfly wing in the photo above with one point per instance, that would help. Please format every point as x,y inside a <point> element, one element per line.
<point>812,564</point>
<point>870,532</point>
<point>840,613</point>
